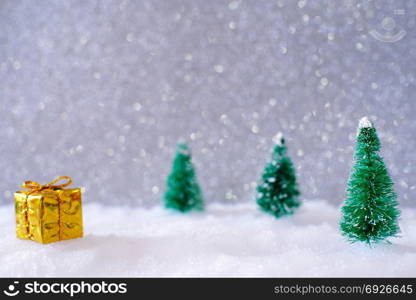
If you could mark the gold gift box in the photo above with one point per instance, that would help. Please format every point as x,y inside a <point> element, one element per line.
<point>48,213</point>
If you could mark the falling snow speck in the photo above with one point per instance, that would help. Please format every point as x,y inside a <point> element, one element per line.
<point>324,81</point>
<point>219,68</point>
<point>233,5</point>
<point>302,3</point>
<point>155,189</point>
<point>110,151</point>
<point>129,37</point>
<point>83,40</point>
<point>188,57</point>
<point>137,106</point>
<point>97,75</point>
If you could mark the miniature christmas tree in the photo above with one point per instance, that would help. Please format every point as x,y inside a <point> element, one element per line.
<point>278,191</point>
<point>370,211</point>
<point>183,192</point>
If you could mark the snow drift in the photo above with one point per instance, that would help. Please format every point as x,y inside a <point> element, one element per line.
<point>225,240</point>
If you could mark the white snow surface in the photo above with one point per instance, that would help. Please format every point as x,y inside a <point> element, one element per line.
<point>365,123</point>
<point>226,240</point>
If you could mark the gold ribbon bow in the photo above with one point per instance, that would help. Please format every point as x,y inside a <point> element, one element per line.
<point>34,186</point>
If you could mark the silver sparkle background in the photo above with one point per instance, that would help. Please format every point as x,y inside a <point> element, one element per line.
<point>102,91</point>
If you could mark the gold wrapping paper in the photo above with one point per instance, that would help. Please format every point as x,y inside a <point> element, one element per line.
<point>48,213</point>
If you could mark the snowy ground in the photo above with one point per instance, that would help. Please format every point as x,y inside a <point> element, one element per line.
<point>233,240</point>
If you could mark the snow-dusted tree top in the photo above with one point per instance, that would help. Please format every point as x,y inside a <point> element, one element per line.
<point>278,138</point>
<point>365,123</point>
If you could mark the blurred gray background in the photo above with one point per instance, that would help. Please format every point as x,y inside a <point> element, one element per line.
<point>102,91</point>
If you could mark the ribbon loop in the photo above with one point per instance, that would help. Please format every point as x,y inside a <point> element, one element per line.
<point>34,186</point>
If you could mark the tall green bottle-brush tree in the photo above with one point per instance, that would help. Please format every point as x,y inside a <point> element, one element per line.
<point>370,212</point>
<point>183,192</point>
<point>277,192</point>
